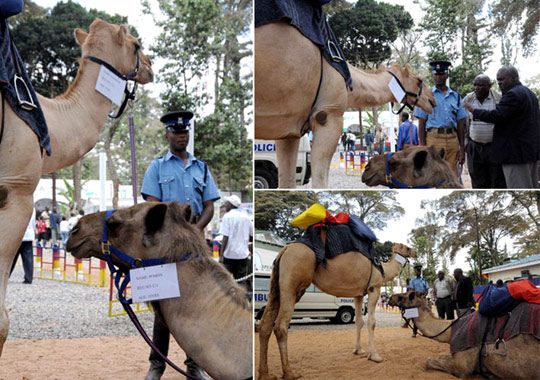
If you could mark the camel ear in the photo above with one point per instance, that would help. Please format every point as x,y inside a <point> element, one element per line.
<point>121,35</point>
<point>187,213</point>
<point>412,295</point>
<point>419,159</point>
<point>80,36</point>
<point>407,69</point>
<point>441,153</point>
<point>154,219</point>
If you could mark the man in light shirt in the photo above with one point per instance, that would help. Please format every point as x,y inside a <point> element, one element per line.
<point>443,288</point>
<point>26,251</point>
<point>485,174</point>
<point>236,230</point>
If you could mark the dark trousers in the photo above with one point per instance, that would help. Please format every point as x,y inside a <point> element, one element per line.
<point>484,173</point>
<point>445,308</point>
<point>238,267</point>
<point>27,257</point>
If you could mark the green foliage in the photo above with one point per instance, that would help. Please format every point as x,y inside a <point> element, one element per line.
<point>366,31</point>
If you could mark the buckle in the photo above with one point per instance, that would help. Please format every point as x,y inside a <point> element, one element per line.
<point>388,178</point>
<point>138,263</point>
<point>105,247</point>
<point>334,52</point>
<point>24,104</point>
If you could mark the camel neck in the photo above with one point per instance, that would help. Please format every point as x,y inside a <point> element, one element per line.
<point>82,112</point>
<point>431,326</point>
<point>369,88</point>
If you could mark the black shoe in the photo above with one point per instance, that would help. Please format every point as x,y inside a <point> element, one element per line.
<point>194,372</point>
<point>155,371</point>
<point>26,282</point>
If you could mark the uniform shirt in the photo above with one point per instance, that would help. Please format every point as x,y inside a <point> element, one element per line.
<point>480,131</point>
<point>443,288</point>
<point>169,180</point>
<point>237,226</point>
<point>418,284</point>
<point>447,113</point>
<point>404,134</point>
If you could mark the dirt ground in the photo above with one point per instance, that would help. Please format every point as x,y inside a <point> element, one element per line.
<point>328,355</point>
<point>118,358</point>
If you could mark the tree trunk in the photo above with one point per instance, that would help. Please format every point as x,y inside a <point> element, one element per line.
<point>77,176</point>
<point>111,166</point>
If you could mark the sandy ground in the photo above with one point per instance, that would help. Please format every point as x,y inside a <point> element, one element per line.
<point>328,355</point>
<point>107,358</point>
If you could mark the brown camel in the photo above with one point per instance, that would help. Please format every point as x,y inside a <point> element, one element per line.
<point>287,73</point>
<point>418,166</point>
<point>348,275</point>
<point>211,320</point>
<point>519,361</point>
<point>75,120</point>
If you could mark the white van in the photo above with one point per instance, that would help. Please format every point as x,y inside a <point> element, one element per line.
<point>266,165</point>
<point>313,304</point>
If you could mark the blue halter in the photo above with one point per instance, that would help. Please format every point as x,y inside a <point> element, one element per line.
<point>108,250</point>
<point>392,182</point>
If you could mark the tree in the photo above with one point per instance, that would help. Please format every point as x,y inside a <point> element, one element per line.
<point>525,14</point>
<point>527,204</point>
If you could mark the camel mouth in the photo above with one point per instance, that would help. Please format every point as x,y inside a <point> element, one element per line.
<point>77,247</point>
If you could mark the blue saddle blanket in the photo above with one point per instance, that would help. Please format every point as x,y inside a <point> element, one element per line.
<point>35,118</point>
<point>308,17</point>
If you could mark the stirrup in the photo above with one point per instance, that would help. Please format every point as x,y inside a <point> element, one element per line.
<point>24,104</point>
<point>334,52</point>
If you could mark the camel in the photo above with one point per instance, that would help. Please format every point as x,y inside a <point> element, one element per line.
<point>347,275</point>
<point>212,320</point>
<point>414,167</point>
<point>287,72</point>
<point>75,120</point>
<point>519,361</point>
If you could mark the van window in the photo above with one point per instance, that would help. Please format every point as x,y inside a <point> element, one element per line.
<point>262,283</point>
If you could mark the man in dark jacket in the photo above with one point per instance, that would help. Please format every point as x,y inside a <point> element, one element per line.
<point>516,136</point>
<point>463,292</point>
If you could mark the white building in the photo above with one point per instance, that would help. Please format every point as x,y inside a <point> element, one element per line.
<point>516,270</point>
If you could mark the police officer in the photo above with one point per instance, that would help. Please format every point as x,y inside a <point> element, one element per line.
<point>445,127</point>
<point>178,177</point>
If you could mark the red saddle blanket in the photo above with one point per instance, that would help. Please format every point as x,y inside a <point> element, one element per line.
<point>469,331</point>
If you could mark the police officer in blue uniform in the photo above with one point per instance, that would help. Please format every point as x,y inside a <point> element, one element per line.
<point>178,177</point>
<point>445,127</point>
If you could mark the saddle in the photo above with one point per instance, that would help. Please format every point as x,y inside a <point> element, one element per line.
<point>310,20</point>
<point>17,88</point>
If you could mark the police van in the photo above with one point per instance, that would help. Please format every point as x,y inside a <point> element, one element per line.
<point>266,165</point>
<point>314,303</point>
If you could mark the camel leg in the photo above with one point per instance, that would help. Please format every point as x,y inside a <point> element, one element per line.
<point>373,296</point>
<point>358,303</point>
<point>287,154</point>
<point>265,330</point>
<point>14,217</point>
<point>460,364</point>
<point>325,139</point>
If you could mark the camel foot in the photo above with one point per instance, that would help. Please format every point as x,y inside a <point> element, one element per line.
<point>375,357</point>
<point>291,376</point>
<point>266,376</point>
<point>360,352</point>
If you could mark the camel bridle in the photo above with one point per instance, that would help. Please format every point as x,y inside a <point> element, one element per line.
<point>393,183</point>
<point>129,78</point>
<point>405,102</point>
<point>111,252</point>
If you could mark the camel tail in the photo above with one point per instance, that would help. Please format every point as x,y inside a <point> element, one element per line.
<point>273,296</point>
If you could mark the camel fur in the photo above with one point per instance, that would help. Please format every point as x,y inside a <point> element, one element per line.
<point>348,275</point>
<point>212,320</point>
<point>75,120</point>
<point>414,166</point>
<point>520,361</point>
<point>287,72</point>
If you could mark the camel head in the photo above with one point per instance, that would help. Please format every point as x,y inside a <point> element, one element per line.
<point>413,84</point>
<point>114,45</point>
<point>407,300</point>
<point>144,231</point>
<point>403,250</point>
<point>418,166</point>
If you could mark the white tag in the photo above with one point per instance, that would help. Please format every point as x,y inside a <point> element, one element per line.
<point>411,313</point>
<point>400,259</point>
<point>396,89</point>
<point>154,283</point>
<point>110,85</point>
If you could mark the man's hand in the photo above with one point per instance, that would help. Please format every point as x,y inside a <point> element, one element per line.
<point>461,155</point>
<point>469,107</point>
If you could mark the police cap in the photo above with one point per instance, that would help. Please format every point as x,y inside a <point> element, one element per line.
<point>439,67</point>
<point>177,121</point>
<point>418,266</point>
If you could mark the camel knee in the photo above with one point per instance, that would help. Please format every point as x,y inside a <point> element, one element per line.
<point>281,330</point>
<point>3,196</point>
<point>321,117</point>
<point>4,328</point>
